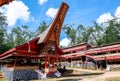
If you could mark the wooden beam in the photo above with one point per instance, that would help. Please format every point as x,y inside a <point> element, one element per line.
<point>53,60</point>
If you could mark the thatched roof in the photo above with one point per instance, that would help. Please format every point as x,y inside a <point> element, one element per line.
<point>3,2</point>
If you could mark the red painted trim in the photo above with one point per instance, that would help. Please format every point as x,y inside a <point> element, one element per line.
<point>90,56</point>
<point>5,56</point>
<point>114,57</point>
<point>73,55</point>
<point>31,41</point>
<point>75,48</point>
<point>60,51</point>
<point>102,49</point>
<point>51,72</point>
<point>8,52</point>
<point>26,51</point>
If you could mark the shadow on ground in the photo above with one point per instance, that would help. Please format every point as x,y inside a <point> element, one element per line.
<point>69,80</point>
<point>84,74</point>
<point>66,75</point>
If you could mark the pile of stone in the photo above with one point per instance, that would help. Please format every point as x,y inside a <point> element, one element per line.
<point>17,75</point>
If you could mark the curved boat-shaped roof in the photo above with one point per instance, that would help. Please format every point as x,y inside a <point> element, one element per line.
<point>31,48</point>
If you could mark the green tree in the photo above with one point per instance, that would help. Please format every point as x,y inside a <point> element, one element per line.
<point>71,33</point>
<point>84,34</point>
<point>3,27</point>
<point>41,28</point>
<point>91,34</point>
<point>112,32</point>
<point>97,34</point>
<point>19,35</point>
<point>80,32</point>
<point>10,40</point>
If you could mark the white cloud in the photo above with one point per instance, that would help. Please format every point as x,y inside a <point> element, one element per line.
<point>51,12</point>
<point>117,13</point>
<point>16,10</point>
<point>64,42</point>
<point>104,18</point>
<point>41,2</point>
<point>1,10</point>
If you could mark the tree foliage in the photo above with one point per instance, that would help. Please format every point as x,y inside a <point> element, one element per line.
<point>17,35</point>
<point>71,33</point>
<point>112,33</point>
<point>97,34</point>
<point>3,27</point>
<point>41,28</point>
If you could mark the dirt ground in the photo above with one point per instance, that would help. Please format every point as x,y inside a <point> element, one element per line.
<point>97,75</point>
<point>87,75</point>
<point>104,77</point>
<point>83,75</point>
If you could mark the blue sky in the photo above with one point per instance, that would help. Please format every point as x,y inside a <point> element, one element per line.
<point>33,12</point>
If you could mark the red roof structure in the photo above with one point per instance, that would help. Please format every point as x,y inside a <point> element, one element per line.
<point>73,55</point>
<point>75,51</point>
<point>42,45</point>
<point>79,47</point>
<point>3,2</point>
<point>106,52</point>
<point>46,45</point>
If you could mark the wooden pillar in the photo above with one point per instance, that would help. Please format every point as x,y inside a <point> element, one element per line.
<point>57,58</point>
<point>46,61</point>
<point>53,60</point>
<point>60,63</point>
<point>96,65</point>
<point>15,62</point>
